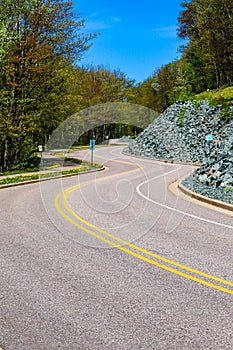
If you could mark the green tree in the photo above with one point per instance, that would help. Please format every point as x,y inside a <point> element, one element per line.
<point>107,86</point>
<point>209,27</point>
<point>144,94</point>
<point>39,39</point>
<point>98,85</point>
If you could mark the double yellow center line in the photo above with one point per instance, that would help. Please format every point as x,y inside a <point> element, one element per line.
<point>132,249</point>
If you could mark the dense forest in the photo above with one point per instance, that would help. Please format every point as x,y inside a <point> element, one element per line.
<point>42,83</point>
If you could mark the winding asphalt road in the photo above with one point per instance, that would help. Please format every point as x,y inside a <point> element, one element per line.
<point>114,260</point>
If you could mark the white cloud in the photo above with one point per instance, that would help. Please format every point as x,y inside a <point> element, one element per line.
<point>116,19</point>
<point>100,24</point>
<point>97,25</point>
<point>164,32</point>
<point>94,14</point>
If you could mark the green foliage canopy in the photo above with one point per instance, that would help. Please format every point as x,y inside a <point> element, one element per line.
<point>208,24</point>
<point>39,38</point>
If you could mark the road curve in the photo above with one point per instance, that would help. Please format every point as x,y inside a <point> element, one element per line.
<point>114,260</point>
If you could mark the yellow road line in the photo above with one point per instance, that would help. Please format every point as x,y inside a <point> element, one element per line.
<point>72,189</point>
<point>68,191</point>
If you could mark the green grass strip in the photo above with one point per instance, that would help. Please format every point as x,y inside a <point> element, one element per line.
<point>23,178</point>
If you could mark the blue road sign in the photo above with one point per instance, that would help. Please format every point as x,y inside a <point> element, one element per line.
<point>209,137</point>
<point>92,145</point>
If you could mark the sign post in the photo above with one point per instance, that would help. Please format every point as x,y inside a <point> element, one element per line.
<point>92,147</point>
<point>40,149</point>
<point>209,138</point>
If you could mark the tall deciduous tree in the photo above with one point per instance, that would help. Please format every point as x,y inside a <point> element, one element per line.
<point>39,38</point>
<point>208,24</point>
<point>98,85</point>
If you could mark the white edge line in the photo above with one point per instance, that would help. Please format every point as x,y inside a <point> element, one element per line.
<point>173,209</point>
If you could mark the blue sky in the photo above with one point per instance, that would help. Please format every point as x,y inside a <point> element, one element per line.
<point>135,37</point>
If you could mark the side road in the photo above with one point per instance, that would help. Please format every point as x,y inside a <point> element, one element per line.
<point>63,168</point>
<point>66,168</point>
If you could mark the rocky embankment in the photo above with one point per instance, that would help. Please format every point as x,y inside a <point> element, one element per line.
<point>193,133</point>
<point>215,178</point>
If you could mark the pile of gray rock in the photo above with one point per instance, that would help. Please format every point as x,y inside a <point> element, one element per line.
<point>186,132</point>
<point>215,178</point>
<point>193,133</point>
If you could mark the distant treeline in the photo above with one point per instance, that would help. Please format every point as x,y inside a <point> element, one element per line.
<point>206,57</point>
<point>41,84</point>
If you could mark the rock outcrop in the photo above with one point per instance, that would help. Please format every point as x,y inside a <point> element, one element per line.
<point>185,132</point>
<point>193,132</point>
<point>215,178</point>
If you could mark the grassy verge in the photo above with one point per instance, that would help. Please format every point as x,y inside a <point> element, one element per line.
<point>218,96</point>
<point>29,170</point>
<point>23,178</point>
<point>53,165</point>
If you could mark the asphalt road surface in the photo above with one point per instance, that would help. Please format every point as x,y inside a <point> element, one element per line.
<point>114,260</point>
